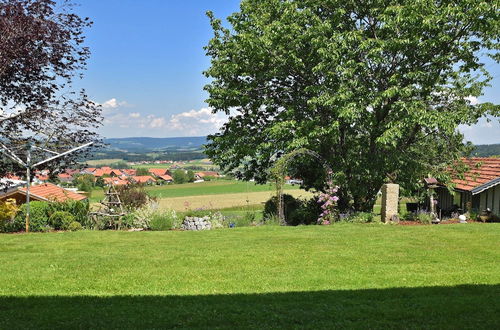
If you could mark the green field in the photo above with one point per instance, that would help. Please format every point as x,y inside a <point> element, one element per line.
<point>205,163</point>
<point>348,276</point>
<point>101,162</point>
<point>201,189</point>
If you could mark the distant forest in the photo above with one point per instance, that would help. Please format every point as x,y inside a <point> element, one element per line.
<point>487,150</point>
<point>191,148</point>
<point>136,149</point>
<point>149,156</point>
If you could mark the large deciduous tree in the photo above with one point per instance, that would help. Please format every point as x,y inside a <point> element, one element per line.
<point>377,88</point>
<point>41,53</point>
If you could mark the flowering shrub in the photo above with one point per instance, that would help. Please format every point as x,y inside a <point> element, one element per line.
<point>328,201</point>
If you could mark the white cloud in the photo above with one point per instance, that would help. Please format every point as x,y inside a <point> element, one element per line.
<point>157,123</point>
<point>113,103</point>
<point>189,123</point>
<point>197,121</point>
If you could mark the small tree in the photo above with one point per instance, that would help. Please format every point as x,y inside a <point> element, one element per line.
<point>8,211</point>
<point>142,171</point>
<point>190,176</point>
<point>41,53</point>
<point>180,177</point>
<point>133,196</point>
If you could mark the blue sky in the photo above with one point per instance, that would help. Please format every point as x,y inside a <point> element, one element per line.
<point>147,63</point>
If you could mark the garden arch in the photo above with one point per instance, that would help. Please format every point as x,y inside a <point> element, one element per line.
<point>278,171</point>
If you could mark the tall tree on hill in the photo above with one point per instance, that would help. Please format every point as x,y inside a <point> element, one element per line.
<point>377,88</point>
<point>41,52</point>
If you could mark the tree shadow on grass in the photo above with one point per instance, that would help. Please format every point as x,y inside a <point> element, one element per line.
<point>466,306</point>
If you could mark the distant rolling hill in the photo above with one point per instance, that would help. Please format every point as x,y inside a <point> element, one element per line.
<point>188,148</point>
<point>147,144</point>
<point>487,150</point>
<point>151,149</point>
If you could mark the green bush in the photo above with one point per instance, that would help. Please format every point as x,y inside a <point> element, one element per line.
<point>128,220</point>
<point>78,209</point>
<point>217,220</point>
<point>39,217</point>
<point>61,220</point>
<point>180,177</point>
<point>291,204</point>
<point>297,211</point>
<point>360,217</point>
<point>41,212</point>
<point>307,213</point>
<point>75,226</point>
<point>164,220</point>
<point>424,217</point>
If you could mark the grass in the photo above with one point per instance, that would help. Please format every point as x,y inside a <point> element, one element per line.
<point>223,201</point>
<point>205,163</point>
<point>202,189</point>
<point>101,162</point>
<point>349,276</point>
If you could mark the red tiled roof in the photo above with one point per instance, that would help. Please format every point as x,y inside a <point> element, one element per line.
<point>207,173</point>
<point>143,179</point>
<point>64,176</point>
<point>52,192</point>
<point>130,171</point>
<point>158,171</point>
<point>482,171</point>
<point>116,172</point>
<point>98,172</point>
<point>42,177</point>
<point>166,177</point>
<point>116,181</point>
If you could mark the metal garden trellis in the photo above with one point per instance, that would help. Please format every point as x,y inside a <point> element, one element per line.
<point>29,166</point>
<point>278,171</point>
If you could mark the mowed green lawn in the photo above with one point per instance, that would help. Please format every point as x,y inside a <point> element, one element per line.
<point>201,189</point>
<point>346,275</point>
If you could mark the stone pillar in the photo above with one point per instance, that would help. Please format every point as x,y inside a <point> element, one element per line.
<point>390,201</point>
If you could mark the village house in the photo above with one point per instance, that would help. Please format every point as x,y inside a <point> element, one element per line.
<point>116,181</point>
<point>143,179</point>
<point>202,175</point>
<point>158,171</point>
<point>166,178</point>
<point>65,177</point>
<point>40,178</point>
<point>480,187</point>
<point>45,192</point>
<point>129,172</point>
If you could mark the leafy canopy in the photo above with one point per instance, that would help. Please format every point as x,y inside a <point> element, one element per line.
<point>41,53</point>
<point>377,88</point>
